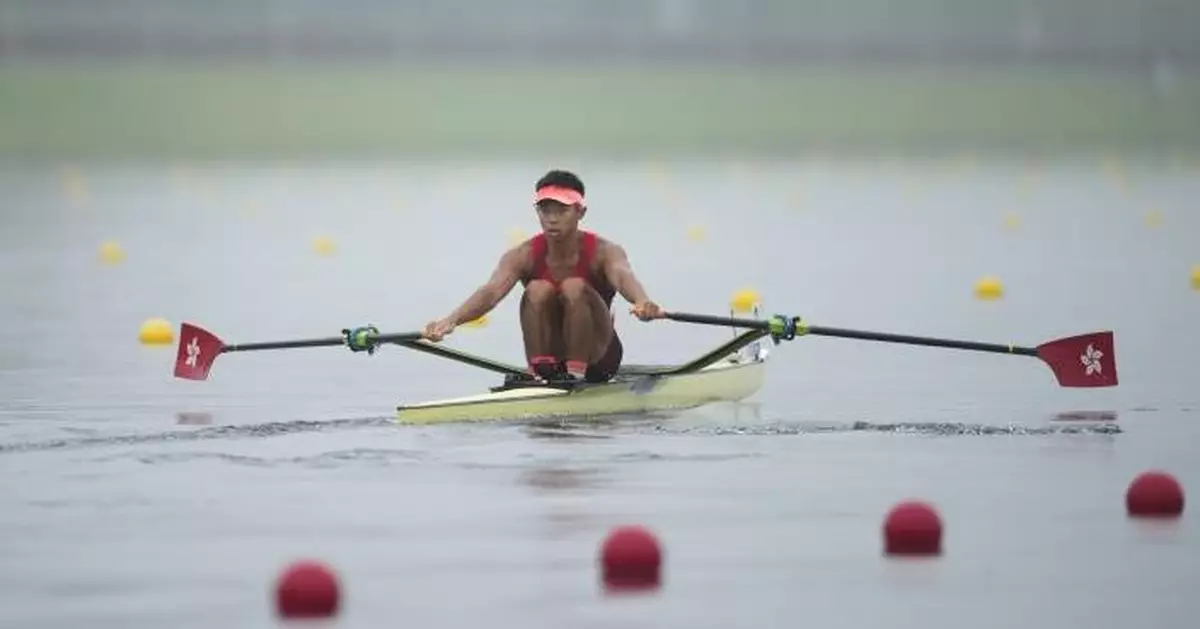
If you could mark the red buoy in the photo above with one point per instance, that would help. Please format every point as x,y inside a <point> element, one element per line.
<point>912,528</point>
<point>307,589</point>
<point>1154,494</point>
<point>631,558</point>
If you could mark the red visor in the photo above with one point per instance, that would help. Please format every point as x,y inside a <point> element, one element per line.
<point>565,196</point>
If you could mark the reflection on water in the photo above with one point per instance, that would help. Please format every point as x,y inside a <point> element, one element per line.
<point>1159,530</point>
<point>566,430</point>
<point>1086,416</point>
<point>194,419</point>
<point>560,431</point>
<point>600,427</point>
<point>556,479</point>
<point>562,494</point>
<point>913,572</point>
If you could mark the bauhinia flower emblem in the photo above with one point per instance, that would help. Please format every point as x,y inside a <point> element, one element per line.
<point>1091,360</point>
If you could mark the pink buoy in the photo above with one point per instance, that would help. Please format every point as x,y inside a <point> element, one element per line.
<point>1154,494</point>
<point>631,558</point>
<point>307,589</point>
<point>912,528</point>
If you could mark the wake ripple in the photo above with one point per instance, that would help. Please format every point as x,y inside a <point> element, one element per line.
<point>276,429</point>
<point>921,428</point>
<point>243,431</point>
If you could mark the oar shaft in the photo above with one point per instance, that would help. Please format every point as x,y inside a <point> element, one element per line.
<point>761,324</point>
<point>250,347</point>
<point>402,337</point>
<point>465,358</point>
<point>922,340</point>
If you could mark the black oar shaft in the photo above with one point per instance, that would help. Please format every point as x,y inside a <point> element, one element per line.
<point>761,324</point>
<point>250,347</point>
<point>402,337</point>
<point>465,358</point>
<point>922,340</point>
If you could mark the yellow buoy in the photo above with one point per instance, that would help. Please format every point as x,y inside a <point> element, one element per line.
<point>745,300</point>
<point>1028,182</point>
<point>515,236</point>
<point>1116,173</point>
<point>249,209</point>
<point>742,171</point>
<point>111,252</point>
<point>989,288</point>
<point>658,172</point>
<point>323,246</point>
<point>183,179</point>
<point>75,186</point>
<point>1012,221</point>
<point>797,199</point>
<point>1154,218</point>
<point>696,233</point>
<point>914,191</point>
<point>1196,277</point>
<point>476,323</point>
<point>670,197</point>
<point>964,164</point>
<point>156,332</point>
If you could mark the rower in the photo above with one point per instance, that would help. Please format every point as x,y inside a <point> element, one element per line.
<point>570,277</point>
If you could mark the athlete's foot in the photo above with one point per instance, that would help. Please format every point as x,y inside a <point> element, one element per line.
<point>577,369</point>
<point>563,377</point>
<point>547,369</point>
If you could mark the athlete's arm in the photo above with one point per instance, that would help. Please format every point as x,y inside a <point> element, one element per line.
<point>506,275</point>
<point>619,273</point>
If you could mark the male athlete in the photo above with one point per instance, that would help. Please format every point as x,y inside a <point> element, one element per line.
<point>570,277</point>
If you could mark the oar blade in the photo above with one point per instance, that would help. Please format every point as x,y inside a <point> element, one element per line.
<point>1086,360</point>
<point>198,349</point>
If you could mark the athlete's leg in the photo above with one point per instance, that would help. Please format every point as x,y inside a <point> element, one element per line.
<point>606,367</point>
<point>587,327</point>
<point>541,325</point>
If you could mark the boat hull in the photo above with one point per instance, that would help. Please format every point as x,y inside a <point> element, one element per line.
<point>725,381</point>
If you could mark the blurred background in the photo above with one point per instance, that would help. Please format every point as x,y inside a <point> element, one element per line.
<point>297,78</point>
<point>995,170</point>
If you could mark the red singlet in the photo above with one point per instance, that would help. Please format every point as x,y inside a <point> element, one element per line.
<point>583,268</point>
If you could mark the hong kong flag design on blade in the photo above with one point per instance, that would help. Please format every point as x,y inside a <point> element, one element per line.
<point>1087,360</point>
<point>198,348</point>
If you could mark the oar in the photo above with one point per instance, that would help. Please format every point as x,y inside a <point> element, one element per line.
<point>1086,360</point>
<point>199,348</point>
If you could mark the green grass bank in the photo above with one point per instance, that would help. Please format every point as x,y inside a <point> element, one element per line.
<point>257,111</point>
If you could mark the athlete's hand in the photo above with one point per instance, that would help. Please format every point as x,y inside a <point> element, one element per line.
<point>437,330</point>
<point>646,311</point>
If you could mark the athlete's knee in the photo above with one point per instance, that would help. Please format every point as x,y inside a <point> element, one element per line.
<point>574,291</point>
<point>540,293</point>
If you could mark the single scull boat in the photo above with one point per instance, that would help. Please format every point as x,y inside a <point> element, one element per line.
<point>732,372</point>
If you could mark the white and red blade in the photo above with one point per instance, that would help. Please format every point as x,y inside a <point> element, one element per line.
<point>1086,360</point>
<point>198,348</point>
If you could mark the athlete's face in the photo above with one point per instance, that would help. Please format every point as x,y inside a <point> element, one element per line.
<point>557,218</point>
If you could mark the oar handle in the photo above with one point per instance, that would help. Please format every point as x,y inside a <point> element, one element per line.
<point>886,337</point>
<point>400,337</point>
<point>733,322</point>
